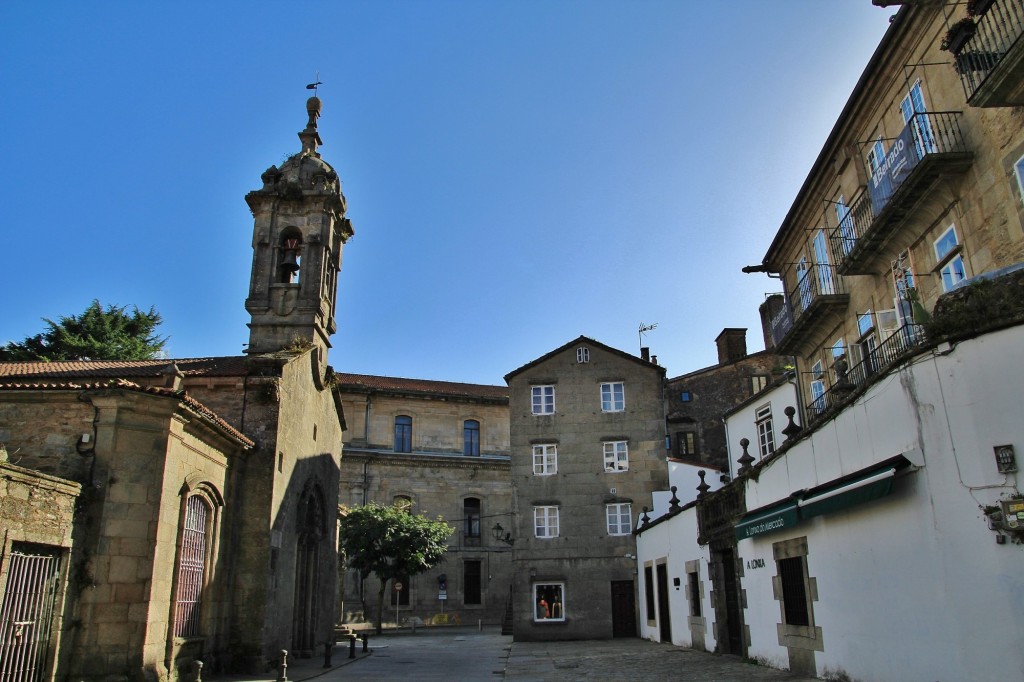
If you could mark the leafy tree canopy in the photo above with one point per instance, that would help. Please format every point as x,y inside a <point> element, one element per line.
<point>391,542</point>
<point>96,334</point>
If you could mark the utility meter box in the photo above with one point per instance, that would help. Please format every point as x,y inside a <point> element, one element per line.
<point>1013,514</point>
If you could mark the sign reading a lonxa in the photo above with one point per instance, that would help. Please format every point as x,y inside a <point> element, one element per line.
<point>899,161</point>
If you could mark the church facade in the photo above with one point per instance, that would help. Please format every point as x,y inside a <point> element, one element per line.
<point>180,511</point>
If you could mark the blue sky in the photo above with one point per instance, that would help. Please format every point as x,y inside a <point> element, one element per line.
<point>518,173</point>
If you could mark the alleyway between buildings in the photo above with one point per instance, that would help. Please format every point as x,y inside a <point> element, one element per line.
<point>469,656</point>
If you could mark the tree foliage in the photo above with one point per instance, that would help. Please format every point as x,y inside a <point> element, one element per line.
<point>96,334</point>
<point>391,543</point>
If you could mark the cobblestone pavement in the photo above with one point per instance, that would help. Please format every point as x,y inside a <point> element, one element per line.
<point>630,659</point>
<point>467,655</point>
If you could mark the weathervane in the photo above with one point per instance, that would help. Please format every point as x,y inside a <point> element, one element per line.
<point>313,86</point>
<point>644,328</point>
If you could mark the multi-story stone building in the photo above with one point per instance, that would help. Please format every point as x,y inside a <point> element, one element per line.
<point>879,539</point>
<point>206,527</point>
<point>443,449</point>
<point>697,400</point>
<point>588,449</point>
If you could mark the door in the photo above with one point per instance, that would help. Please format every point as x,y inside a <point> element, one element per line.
<point>664,619</point>
<point>623,609</point>
<point>27,612</point>
<point>818,387</point>
<point>826,283</point>
<point>732,604</point>
<point>803,284</point>
<point>914,114</point>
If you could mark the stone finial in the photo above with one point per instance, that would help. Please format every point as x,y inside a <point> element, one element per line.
<point>644,518</point>
<point>792,429</point>
<point>703,487</point>
<point>172,376</point>
<point>310,137</point>
<point>745,459</point>
<point>673,504</point>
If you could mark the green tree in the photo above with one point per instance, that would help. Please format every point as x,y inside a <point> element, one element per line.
<point>391,542</point>
<point>96,334</point>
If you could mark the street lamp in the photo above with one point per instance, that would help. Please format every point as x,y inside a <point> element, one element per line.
<point>501,535</point>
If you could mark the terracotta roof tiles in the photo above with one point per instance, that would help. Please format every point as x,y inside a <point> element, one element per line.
<point>370,382</point>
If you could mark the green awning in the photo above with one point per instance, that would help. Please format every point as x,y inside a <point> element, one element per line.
<point>870,486</point>
<point>767,520</point>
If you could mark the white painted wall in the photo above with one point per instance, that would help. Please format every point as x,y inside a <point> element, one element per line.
<point>742,423</point>
<point>675,539</point>
<point>685,477</point>
<point>912,586</point>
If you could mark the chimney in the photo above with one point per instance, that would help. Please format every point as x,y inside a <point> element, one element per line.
<point>645,353</point>
<point>732,345</point>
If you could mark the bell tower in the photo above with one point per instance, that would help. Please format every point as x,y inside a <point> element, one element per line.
<point>298,234</point>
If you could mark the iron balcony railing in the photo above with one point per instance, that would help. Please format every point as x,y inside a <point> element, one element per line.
<point>829,388</point>
<point>930,143</point>
<point>815,285</point>
<point>996,33</point>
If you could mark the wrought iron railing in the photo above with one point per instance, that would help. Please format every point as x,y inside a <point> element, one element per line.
<point>997,30</point>
<point>813,282</point>
<point>927,134</point>
<point>829,388</point>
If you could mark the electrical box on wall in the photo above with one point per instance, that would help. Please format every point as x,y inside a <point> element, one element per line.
<point>1006,461</point>
<point>1013,514</point>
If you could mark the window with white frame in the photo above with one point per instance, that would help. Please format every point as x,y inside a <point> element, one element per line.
<point>765,430</point>
<point>616,456</point>
<point>543,399</point>
<point>545,459</point>
<point>950,263</point>
<point>1018,168</point>
<point>620,518</point>
<point>545,521</point>
<point>549,601</point>
<point>818,387</point>
<point>582,355</point>
<point>613,397</point>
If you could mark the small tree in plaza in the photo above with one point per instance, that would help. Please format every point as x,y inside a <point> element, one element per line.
<point>391,542</point>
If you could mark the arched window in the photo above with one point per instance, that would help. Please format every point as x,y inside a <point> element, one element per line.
<point>471,520</point>
<point>289,260</point>
<point>403,433</point>
<point>402,502</point>
<point>191,573</point>
<point>471,438</point>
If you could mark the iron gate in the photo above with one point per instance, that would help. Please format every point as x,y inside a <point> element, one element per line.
<point>27,612</point>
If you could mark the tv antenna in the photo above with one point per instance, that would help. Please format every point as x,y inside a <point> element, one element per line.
<point>644,328</point>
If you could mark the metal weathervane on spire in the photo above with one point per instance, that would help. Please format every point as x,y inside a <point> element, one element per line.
<point>313,86</point>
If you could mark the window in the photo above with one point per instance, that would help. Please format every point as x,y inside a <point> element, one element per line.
<point>817,387</point>
<point>545,522</point>
<point>403,434</point>
<point>543,399</point>
<point>613,397</point>
<point>757,384</point>
<point>684,397</point>
<point>616,456</point>
<point>914,115</point>
<point>471,519</point>
<point>549,601</point>
<point>947,255</point>
<point>765,430</point>
<point>402,502</point>
<point>191,568</point>
<point>826,283</point>
<point>582,355</point>
<point>620,518</point>
<point>1018,168</point>
<point>471,592</point>
<point>794,591</point>
<point>876,155</point>
<point>847,235</point>
<point>865,323</point>
<point>545,460</point>
<point>693,582</point>
<point>686,443</point>
<point>471,438</point>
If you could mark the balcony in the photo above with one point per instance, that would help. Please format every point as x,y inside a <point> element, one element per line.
<point>991,62</point>
<point>930,147</point>
<point>818,291</point>
<point>827,391</point>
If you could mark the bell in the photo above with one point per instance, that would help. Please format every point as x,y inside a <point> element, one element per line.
<point>289,262</point>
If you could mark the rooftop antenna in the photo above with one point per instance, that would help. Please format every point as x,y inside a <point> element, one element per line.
<point>644,328</point>
<point>313,86</point>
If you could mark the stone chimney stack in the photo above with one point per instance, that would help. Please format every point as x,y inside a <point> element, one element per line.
<point>732,345</point>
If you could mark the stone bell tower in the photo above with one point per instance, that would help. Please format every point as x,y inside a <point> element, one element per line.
<point>299,231</point>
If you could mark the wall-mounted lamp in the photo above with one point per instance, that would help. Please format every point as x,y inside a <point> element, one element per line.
<point>501,535</point>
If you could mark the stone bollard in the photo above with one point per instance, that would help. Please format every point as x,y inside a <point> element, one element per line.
<point>282,667</point>
<point>328,646</point>
<point>366,642</point>
<point>199,671</point>
<point>352,646</point>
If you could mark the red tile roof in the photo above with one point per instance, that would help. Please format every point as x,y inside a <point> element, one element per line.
<point>368,382</point>
<point>121,369</point>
